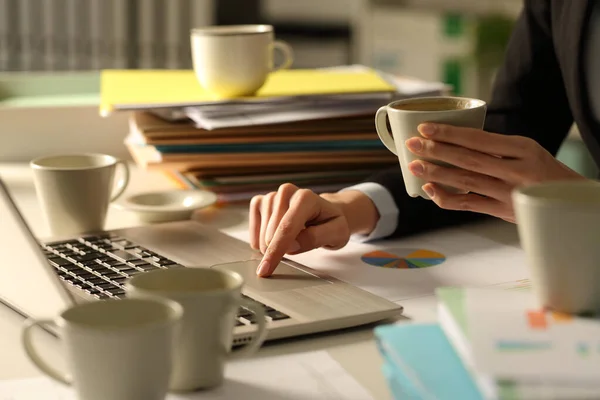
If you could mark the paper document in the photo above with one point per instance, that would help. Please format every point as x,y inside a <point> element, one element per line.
<point>255,115</point>
<point>412,267</point>
<point>295,377</point>
<point>304,109</point>
<point>144,89</point>
<point>533,343</point>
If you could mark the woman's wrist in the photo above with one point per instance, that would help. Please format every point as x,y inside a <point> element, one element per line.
<point>360,211</point>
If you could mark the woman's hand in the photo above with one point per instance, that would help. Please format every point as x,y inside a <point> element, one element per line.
<point>490,167</point>
<point>293,220</point>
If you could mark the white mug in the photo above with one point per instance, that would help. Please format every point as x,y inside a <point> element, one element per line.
<point>210,300</point>
<point>235,60</point>
<point>559,229</point>
<point>74,190</point>
<point>406,115</point>
<point>116,349</point>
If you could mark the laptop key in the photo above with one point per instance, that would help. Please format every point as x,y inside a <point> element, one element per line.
<point>121,267</point>
<point>137,262</point>
<point>244,312</point>
<point>92,290</point>
<point>146,267</point>
<point>71,268</point>
<point>95,280</point>
<point>122,243</point>
<point>118,292</point>
<point>164,262</point>
<point>110,262</point>
<point>89,265</point>
<point>67,277</point>
<point>84,257</point>
<point>59,262</point>
<point>106,285</point>
<point>111,275</point>
<point>83,274</point>
<point>277,315</point>
<point>101,270</point>
<point>60,242</point>
<point>122,255</point>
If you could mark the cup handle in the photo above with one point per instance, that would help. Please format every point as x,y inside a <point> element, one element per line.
<point>288,54</point>
<point>384,134</point>
<point>261,331</point>
<point>33,355</point>
<point>123,182</point>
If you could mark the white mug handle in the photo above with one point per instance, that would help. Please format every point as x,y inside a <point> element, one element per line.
<point>34,356</point>
<point>384,134</point>
<point>288,54</point>
<point>261,331</point>
<point>123,182</point>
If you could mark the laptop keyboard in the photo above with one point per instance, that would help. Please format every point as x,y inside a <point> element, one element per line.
<point>100,265</point>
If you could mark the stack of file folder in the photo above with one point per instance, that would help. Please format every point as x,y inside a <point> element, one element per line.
<point>313,128</point>
<point>492,343</point>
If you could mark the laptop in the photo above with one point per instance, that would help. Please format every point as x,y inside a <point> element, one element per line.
<point>42,278</point>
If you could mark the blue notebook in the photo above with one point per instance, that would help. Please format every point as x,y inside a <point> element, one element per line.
<point>420,363</point>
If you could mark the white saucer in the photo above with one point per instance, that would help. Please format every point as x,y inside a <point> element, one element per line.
<point>170,205</point>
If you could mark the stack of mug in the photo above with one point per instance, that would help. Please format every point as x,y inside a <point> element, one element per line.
<point>173,332</point>
<point>174,329</point>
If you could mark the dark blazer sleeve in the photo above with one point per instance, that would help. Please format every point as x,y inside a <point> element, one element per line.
<point>528,99</point>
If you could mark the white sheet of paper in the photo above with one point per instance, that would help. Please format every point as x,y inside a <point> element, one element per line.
<point>300,376</point>
<point>277,115</point>
<point>470,260</point>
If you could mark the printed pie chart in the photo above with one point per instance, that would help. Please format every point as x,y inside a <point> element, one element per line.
<point>403,258</point>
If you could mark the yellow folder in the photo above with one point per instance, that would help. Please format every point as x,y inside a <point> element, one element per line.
<point>138,89</point>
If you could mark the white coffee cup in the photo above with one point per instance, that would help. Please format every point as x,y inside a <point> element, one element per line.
<point>115,349</point>
<point>74,190</point>
<point>210,300</point>
<point>235,60</point>
<point>406,115</point>
<point>559,229</point>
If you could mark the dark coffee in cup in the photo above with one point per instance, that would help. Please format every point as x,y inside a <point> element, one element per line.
<point>438,104</point>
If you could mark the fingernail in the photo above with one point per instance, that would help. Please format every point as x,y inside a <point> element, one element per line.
<point>414,144</point>
<point>429,190</point>
<point>427,129</point>
<point>295,246</point>
<point>416,168</point>
<point>263,268</point>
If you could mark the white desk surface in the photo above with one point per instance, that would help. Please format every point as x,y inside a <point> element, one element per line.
<point>354,349</point>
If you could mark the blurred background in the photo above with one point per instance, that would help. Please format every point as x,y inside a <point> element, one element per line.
<point>455,41</point>
<point>458,42</point>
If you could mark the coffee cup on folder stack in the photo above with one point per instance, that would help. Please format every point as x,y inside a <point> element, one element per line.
<point>235,60</point>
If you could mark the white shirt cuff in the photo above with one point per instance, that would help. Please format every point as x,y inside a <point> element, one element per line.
<point>386,207</point>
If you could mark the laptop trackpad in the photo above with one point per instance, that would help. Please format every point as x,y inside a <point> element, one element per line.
<point>285,276</point>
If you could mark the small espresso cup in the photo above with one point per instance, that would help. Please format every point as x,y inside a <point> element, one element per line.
<point>74,190</point>
<point>210,300</point>
<point>115,349</point>
<point>559,227</point>
<point>235,60</point>
<point>406,115</point>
